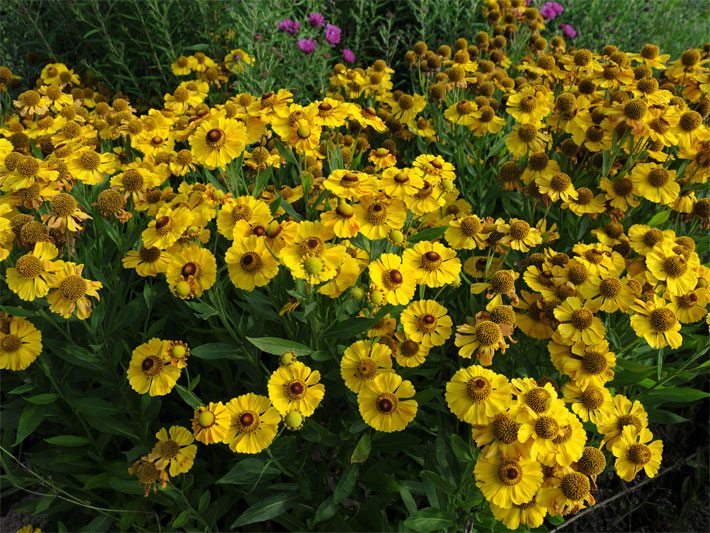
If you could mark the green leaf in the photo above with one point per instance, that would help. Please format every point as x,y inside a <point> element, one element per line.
<point>428,234</point>
<point>348,329</point>
<point>42,399</point>
<point>677,394</point>
<point>181,520</point>
<point>285,152</point>
<point>659,218</point>
<point>67,440</point>
<point>321,355</point>
<point>189,397</point>
<point>247,471</point>
<point>215,350</point>
<point>277,346</point>
<point>462,451</point>
<point>202,311</point>
<point>662,416</point>
<point>266,509</point>
<point>429,519</point>
<point>346,483</point>
<point>407,499</point>
<point>326,510</point>
<point>30,418</point>
<point>555,520</point>
<point>362,449</point>
<point>425,396</point>
<point>204,502</point>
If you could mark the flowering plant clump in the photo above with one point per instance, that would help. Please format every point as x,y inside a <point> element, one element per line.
<point>450,306</point>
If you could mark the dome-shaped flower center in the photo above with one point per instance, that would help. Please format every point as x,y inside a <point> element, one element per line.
<point>169,449</point>
<point>487,333</point>
<point>519,230</point>
<point>675,266</point>
<point>149,255</point>
<point>502,283</point>
<point>610,287</point>
<point>241,212</point>
<point>658,177</point>
<point>629,420</point>
<point>366,368</point>
<point>431,260</point>
<point>470,226</point>
<point>662,319</point>
<point>303,132</point>
<point>546,427</point>
<point>537,399</point>
<point>527,133</point>
<point>510,472</point>
<point>29,267</point>
<point>250,262</point>
<point>427,323</point>
<point>147,473</point>
<point>132,180</point>
<point>639,454</point>
<point>248,421</point>
<point>592,398</point>
<point>152,366</point>
<point>478,388</point>
<point>505,429</point>
<point>581,318</point>
<point>376,214</point>
<point>594,362</point>
<point>206,419</point>
<point>392,279</point>
<point>73,287</point>
<point>10,343</point>
<point>215,138</point>
<point>409,348</point>
<point>592,462</point>
<point>575,486</point>
<point>386,403</point>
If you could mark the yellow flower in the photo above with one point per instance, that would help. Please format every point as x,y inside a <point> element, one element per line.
<point>351,184</point>
<point>674,267</point>
<point>20,344</point>
<point>599,259</point>
<point>530,105</point>
<point>150,369</point>
<point>484,338</point>
<point>218,141</point>
<point>253,425</point>
<point>382,158</point>
<point>500,436</point>
<point>655,183</point>
<point>427,322</point>
<point>526,138</point>
<point>529,513</point>
<point>519,235</point>
<point>620,192</point>
<point>396,280</point>
<point>578,323</point>
<point>175,451</point>
<point>624,413</point>
<point>462,113</point>
<point>656,322</point>
<point>507,482</point>
<point>635,452</point>
<point>342,221</point>
<point>466,233</point>
<point>210,423</point>
<point>65,213</point>
<point>409,353</point>
<point>250,264</point>
<point>246,208</point>
<point>566,494</point>
<point>557,186</point>
<point>149,475</point>
<point>296,388</point>
<point>28,278</point>
<point>434,264</point>
<point>362,362</point>
<point>71,292</point>
<point>193,260</point>
<point>379,216</point>
<point>475,394</point>
<point>690,306</point>
<point>383,404</point>
<point>147,261</point>
<point>89,166</point>
<point>401,182</point>
<point>168,226</point>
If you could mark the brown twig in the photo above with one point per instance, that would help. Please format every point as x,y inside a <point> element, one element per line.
<point>617,496</point>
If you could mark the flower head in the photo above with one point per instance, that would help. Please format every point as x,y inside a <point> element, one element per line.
<point>307,45</point>
<point>332,34</point>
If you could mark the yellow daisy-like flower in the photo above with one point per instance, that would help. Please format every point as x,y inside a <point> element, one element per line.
<point>250,264</point>
<point>476,395</point>
<point>624,413</point>
<point>65,213</point>
<point>500,436</point>
<point>28,278</point>
<point>401,182</point>
<point>427,322</point>
<point>526,138</point>
<point>508,482</point>
<point>71,292</point>
<point>246,208</point>
<point>382,158</point>
<point>434,264</point>
<point>643,239</point>
<point>590,403</point>
<point>567,493</point>
<point>351,184</point>
<point>89,166</point>
<point>147,261</point>
<point>599,259</point>
<point>676,270</point>
<point>534,398</point>
<point>587,364</point>
<point>530,514</point>
<point>218,141</point>
<point>379,216</point>
<point>466,233</point>
<point>656,322</point>
<point>168,227</point>
<point>578,323</point>
<point>655,183</point>
<point>193,260</point>
<point>296,388</point>
<point>383,404</point>
<point>690,306</point>
<point>150,369</point>
<point>397,281</point>
<point>149,475</point>
<point>519,235</point>
<point>634,452</point>
<point>175,451</point>
<point>20,344</point>
<point>484,338</point>
<point>362,362</point>
<point>254,423</point>
<point>409,353</point>
<point>342,221</point>
<point>557,186</point>
<point>210,423</point>
<point>608,294</point>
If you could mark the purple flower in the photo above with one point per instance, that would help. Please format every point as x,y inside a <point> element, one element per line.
<point>551,9</point>
<point>257,37</point>
<point>289,26</point>
<point>568,30</point>
<point>348,55</point>
<point>306,45</point>
<point>316,20</point>
<point>332,34</point>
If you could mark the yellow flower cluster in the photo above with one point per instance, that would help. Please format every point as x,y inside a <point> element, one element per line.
<point>336,197</point>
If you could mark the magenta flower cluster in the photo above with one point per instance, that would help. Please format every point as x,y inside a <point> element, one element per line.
<point>568,30</point>
<point>308,46</point>
<point>550,10</point>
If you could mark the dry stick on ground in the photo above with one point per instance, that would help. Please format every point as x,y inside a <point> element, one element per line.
<point>617,496</point>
